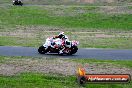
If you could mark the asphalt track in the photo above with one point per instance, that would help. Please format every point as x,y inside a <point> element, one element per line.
<point>109,54</point>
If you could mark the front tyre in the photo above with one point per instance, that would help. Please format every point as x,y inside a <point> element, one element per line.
<point>42,50</point>
<point>73,50</point>
<point>21,4</point>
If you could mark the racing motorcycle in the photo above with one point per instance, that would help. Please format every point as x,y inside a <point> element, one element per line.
<point>17,2</point>
<point>48,47</point>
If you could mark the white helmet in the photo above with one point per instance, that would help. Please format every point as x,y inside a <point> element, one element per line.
<point>61,33</point>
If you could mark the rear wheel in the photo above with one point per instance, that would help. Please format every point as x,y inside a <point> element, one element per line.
<point>42,50</point>
<point>14,3</point>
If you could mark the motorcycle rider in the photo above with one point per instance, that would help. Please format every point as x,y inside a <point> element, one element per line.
<point>64,38</point>
<point>50,41</point>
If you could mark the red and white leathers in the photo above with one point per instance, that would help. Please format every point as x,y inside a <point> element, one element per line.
<point>48,42</point>
<point>63,37</point>
<point>51,41</point>
<point>64,45</point>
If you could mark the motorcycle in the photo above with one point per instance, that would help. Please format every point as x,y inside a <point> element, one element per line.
<point>70,46</point>
<point>17,2</point>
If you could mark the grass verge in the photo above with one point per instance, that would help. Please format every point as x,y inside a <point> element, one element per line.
<point>32,80</point>
<point>125,63</point>
<point>63,17</point>
<point>18,41</point>
<point>38,80</point>
<point>79,18</point>
<point>87,39</point>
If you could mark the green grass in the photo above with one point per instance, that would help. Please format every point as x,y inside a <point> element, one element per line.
<point>79,18</point>
<point>116,43</point>
<point>125,63</point>
<point>4,1</point>
<point>32,80</point>
<point>38,80</point>
<point>39,16</point>
<point>129,7</point>
<point>18,41</point>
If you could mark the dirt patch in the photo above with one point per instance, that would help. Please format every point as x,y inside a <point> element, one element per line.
<point>107,68</point>
<point>58,66</point>
<point>34,65</point>
<point>19,33</point>
<point>40,32</point>
<point>115,10</point>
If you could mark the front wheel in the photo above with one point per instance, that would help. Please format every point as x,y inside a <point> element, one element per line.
<point>42,50</point>
<point>73,50</point>
<point>21,3</point>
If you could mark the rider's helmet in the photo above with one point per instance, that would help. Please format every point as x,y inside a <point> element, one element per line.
<point>61,35</point>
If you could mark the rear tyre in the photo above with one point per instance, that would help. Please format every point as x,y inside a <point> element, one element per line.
<point>42,50</point>
<point>14,3</point>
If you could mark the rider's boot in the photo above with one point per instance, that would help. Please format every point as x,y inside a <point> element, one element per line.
<point>52,46</point>
<point>46,47</point>
<point>61,52</point>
